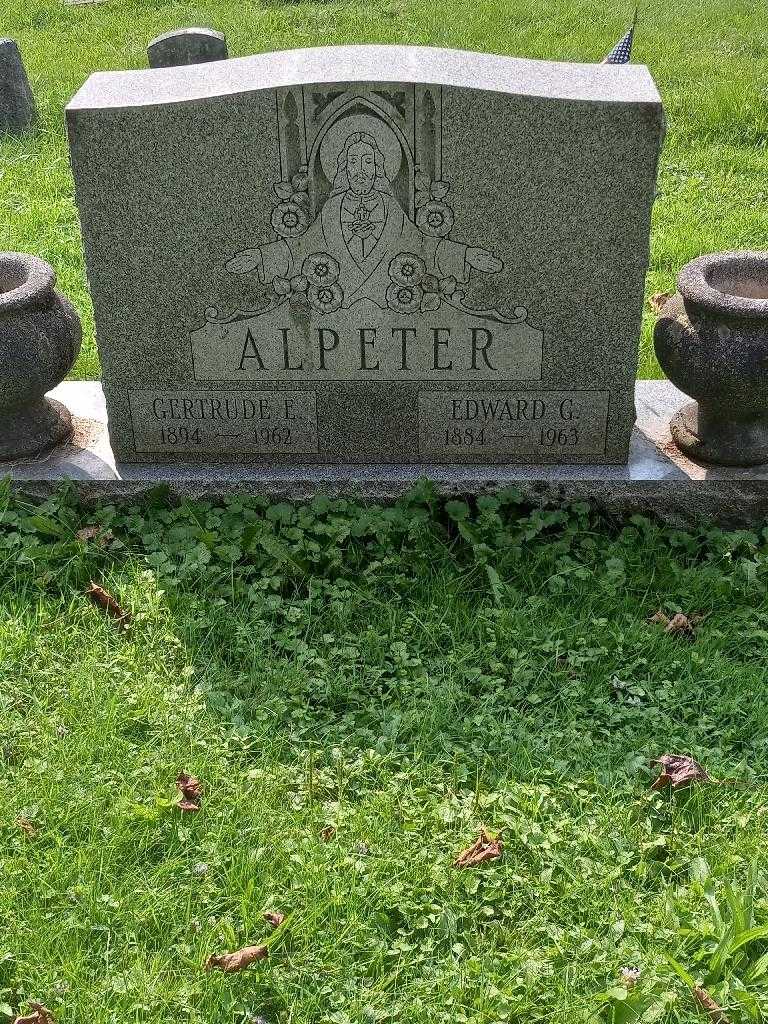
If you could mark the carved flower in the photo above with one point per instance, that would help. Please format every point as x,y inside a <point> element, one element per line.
<point>319,268</point>
<point>325,298</point>
<point>289,220</point>
<point>407,268</point>
<point>404,298</point>
<point>448,285</point>
<point>435,218</point>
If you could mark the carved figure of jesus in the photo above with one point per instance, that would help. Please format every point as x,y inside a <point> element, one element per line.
<point>363,227</point>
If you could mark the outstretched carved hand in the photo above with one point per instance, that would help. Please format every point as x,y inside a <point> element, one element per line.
<point>484,261</point>
<point>245,261</point>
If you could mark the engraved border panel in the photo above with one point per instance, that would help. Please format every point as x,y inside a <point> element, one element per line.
<point>521,422</point>
<point>211,422</point>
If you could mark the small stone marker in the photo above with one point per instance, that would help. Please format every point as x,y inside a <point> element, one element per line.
<point>368,255</point>
<point>187,46</point>
<point>17,104</point>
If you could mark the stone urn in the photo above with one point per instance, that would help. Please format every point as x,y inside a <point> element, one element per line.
<point>712,342</point>
<point>40,337</point>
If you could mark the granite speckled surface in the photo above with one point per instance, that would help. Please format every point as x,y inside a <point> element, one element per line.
<point>389,255</point>
<point>657,479</point>
<point>711,340</point>
<point>40,337</point>
<point>187,46</point>
<point>17,102</point>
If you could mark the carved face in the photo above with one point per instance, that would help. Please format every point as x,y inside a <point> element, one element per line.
<point>361,168</point>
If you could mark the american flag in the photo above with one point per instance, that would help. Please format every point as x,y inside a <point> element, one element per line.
<point>622,51</point>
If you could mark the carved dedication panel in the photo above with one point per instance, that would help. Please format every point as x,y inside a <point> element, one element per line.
<point>362,275</point>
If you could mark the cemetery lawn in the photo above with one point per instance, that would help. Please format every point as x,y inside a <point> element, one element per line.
<point>359,690</point>
<point>708,58</point>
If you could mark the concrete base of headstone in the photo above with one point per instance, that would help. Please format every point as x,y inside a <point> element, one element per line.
<point>658,479</point>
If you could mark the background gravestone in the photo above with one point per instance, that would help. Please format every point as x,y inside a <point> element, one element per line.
<point>368,254</point>
<point>17,104</point>
<point>187,46</point>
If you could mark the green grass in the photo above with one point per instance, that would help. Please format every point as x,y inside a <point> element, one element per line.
<point>708,57</point>
<point>404,675</point>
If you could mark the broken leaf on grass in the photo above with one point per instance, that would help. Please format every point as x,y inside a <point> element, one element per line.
<point>274,917</point>
<point>486,847</point>
<point>238,961</point>
<point>678,770</point>
<point>708,1004</point>
<point>104,600</point>
<point>680,624</point>
<point>88,533</point>
<point>97,534</point>
<point>657,300</point>
<point>38,1015</point>
<point>191,792</point>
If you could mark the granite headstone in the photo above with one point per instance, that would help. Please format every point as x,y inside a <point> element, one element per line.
<point>368,255</point>
<point>187,46</point>
<point>17,104</point>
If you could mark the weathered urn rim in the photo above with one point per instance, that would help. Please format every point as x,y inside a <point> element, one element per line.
<point>25,282</point>
<point>720,282</point>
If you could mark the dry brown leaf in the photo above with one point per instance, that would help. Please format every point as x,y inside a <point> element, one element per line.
<point>98,534</point>
<point>706,1002</point>
<point>231,962</point>
<point>188,806</point>
<point>678,770</point>
<point>274,917</point>
<point>88,533</point>
<point>659,618</point>
<point>486,847</point>
<point>328,833</point>
<point>27,826</point>
<point>39,1015</point>
<point>191,790</point>
<point>657,300</point>
<point>104,600</point>
<point>681,624</point>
